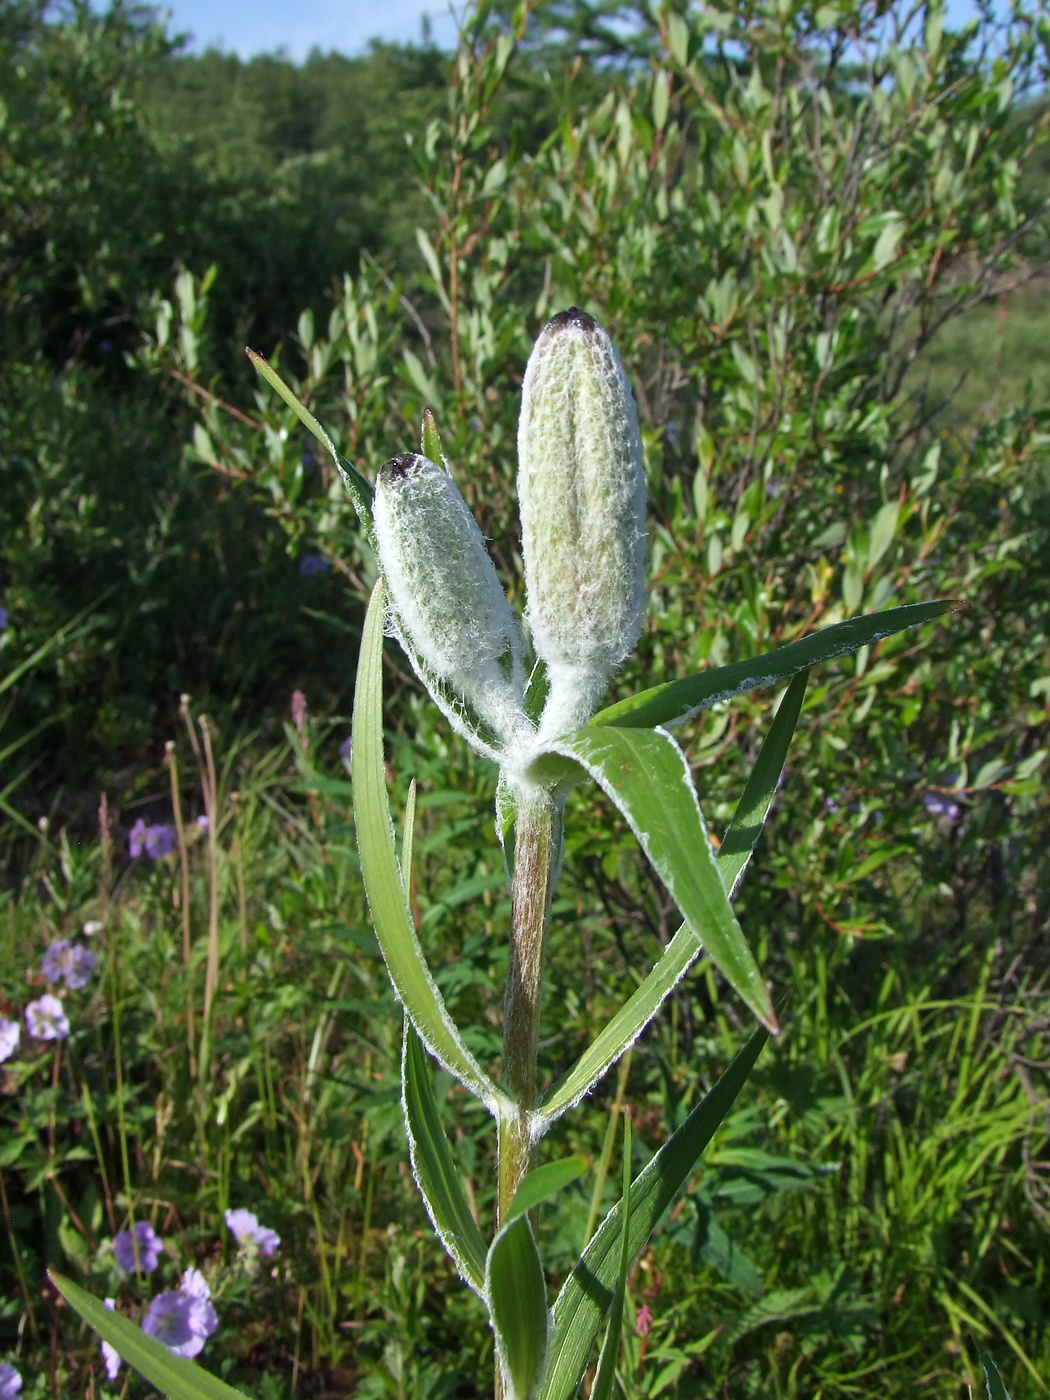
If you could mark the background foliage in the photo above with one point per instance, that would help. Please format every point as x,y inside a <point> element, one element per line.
<point>818,238</point>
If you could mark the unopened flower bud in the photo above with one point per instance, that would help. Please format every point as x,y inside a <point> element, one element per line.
<point>581,489</point>
<point>446,597</point>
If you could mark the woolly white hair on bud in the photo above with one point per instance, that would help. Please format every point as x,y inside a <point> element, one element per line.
<point>581,489</point>
<point>446,597</point>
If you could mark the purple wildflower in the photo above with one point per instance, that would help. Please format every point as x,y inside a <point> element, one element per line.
<point>939,804</point>
<point>10,1035</point>
<point>160,841</point>
<point>4,615</point>
<point>142,1240</point>
<point>82,965</point>
<point>346,748</point>
<point>57,961</point>
<point>10,1382</point>
<point>774,486</point>
<point>312,564</point>
<point>249,1234</point>
<point>137,839</point>
<point>46,1020</point>
<point>109,1354</point>
<point>182,1319</point>
<point>202,822</point>
<point>69,963</point>
<point>643,1320</point>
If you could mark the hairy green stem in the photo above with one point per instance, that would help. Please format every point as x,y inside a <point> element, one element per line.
<point>536,838</point>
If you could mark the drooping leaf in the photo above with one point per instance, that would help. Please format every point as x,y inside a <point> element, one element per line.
<point>174,1376</point>
<point>646,774</point>
<point>685,947</point>
<point>436,1174</point>
<point>391,916</point>
<point>584,1299</point>
<point>517,1297</point>
<point>606,1373</point>
<point>359,487</point>
<point>677,700</point>
<point>546,1181</point>
<point>993,1380</point>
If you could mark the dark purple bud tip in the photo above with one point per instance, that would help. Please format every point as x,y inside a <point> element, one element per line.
<point>575,319</point>
<point>399,468</point>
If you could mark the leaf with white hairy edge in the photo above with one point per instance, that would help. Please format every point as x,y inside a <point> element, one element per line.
<point>584,1300</point>
<point>605,1375</point>
<point>993,1380</point>
<point>391,917</point>
<point>435,1170</point>
<point>517,1298</point>
<point>674,701</point>
<point>685,947</point>
<point>647,776</point>
<point>174,1376</point>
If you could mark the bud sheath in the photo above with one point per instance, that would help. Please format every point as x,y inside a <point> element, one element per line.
<point>581,488</point>
<point>446,596</point>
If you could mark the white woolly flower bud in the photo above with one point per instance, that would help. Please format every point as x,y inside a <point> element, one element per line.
<point>581,489</point>
<point>446,597</point>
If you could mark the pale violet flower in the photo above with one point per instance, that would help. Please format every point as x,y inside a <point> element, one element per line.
<point>248,1233</point>
<point>10,1382</point>
<point>70,963</point>
<point>46,1020</point>
<point>157,840</point>
<point>142,1240</point>
<point>183,1319</point>
<point>10,1035</point>
<point>110,1356</point>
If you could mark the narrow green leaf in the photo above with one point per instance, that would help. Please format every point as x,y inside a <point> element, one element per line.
<point>435,1170</point>
<point>606,1373</point>
<point>751,811</point>
<point>685,947</point>
<point>517,1298</point>
<point>677,700</point>
<point>584,1299</point>
<point>174,1376</point>
<point>391,916</point>
<point>647,776</point>
<point>359,487</point>
<point>992,1379</point>
<point>546,1181</point>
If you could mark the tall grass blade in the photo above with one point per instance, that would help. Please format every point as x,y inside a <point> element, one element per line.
<point>992,1379</point>
<point>606,1373</point>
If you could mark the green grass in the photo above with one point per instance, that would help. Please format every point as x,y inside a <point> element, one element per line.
<point>921,1078</point>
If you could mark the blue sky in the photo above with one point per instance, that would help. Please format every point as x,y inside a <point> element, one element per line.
<point>262,26</point>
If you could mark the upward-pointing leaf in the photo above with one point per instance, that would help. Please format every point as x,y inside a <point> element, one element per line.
<point>359,487</point>
<point>677,700</point>
<point>436,1172</point>
<point>391,916</point>
<point>992,1379</point>
<point>683,950</point>
<point>646,775</point>
<point>585,1297</point>
<point>517,1296</point>
<point>174,1376</point>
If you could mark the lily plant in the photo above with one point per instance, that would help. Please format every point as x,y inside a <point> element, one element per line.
<point>526,692</point>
